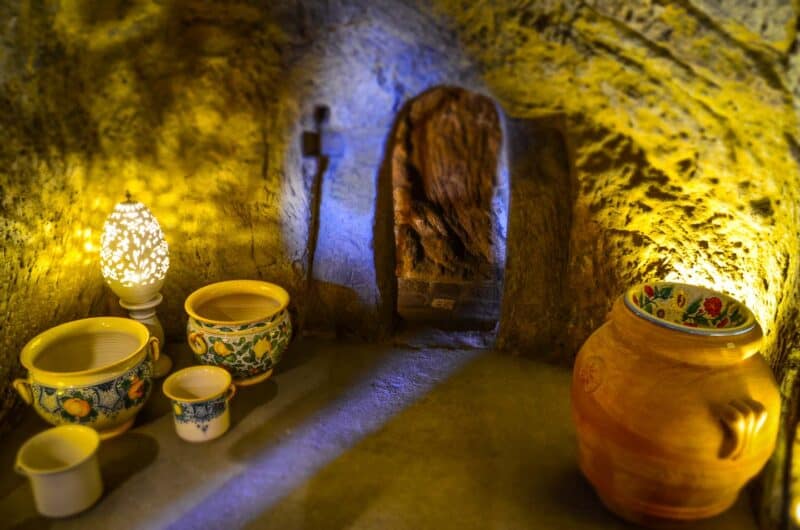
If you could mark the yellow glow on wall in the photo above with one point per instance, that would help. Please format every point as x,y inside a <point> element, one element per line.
<point>695,182</point>
<point>193,137</point>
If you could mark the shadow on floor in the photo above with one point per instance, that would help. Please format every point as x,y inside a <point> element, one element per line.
<point>488,446</point>
<point>295,356</point>
<point>338,377</point>
<point>249,397</point>
<point>353,391</point>
<point>124,456</point>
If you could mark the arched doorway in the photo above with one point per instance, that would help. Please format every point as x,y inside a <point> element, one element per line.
<point>449,209</point>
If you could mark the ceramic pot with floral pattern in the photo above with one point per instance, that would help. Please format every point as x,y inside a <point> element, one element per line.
<point>200,397</point>
<point>675,408</point>
<point>96,372</point>
<point>240,325</point>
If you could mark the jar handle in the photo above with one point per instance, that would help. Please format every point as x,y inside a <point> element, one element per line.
<point>197,343</point>
<point>230,392</point>
<point>23,388</point>
<point>742,419</point>
<point>155,348</point>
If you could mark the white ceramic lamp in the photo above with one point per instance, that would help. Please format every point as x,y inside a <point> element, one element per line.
<point>134,259</point>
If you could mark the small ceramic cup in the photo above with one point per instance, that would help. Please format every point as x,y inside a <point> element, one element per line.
<point>200,398</point>
<point>61,464</point>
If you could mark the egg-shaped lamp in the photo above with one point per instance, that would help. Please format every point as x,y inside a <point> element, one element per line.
<point>134,259</point>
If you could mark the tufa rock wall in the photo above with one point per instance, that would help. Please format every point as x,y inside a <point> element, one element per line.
<point>680,127</point>
<point>198,111</point>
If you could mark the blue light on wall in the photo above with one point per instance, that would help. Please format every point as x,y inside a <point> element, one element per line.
<point>377,67</point>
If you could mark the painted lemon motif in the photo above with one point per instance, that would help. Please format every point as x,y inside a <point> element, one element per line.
<point>177,408</point>
<point>221,348</point>
<point>136,390</point>
<point>76,407</point>
<point>261,347</point>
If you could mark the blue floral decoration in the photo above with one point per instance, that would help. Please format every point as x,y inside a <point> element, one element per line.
<point>200,414</point>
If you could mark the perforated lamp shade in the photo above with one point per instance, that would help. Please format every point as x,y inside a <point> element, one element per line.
<point>134,257</point>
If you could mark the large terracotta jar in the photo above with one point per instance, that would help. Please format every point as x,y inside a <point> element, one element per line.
<point>674,406</point>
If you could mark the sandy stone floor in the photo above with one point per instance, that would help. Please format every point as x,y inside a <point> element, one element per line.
<point>355,436</point>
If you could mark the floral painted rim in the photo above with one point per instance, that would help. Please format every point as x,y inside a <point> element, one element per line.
<point>254,327</point>
<point>199,413</point>
<point>254,353</point>
<point>128,391</point>
<point>272,290</point>
<point>689,308</point>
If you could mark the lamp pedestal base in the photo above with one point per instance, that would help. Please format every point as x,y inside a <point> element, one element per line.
<point>146,314</point>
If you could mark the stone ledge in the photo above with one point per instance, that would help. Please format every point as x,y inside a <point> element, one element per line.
<point>354,435</point>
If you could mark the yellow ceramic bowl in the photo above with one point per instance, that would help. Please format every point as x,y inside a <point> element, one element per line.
<point>94,372</point>
<point>240,325</point>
